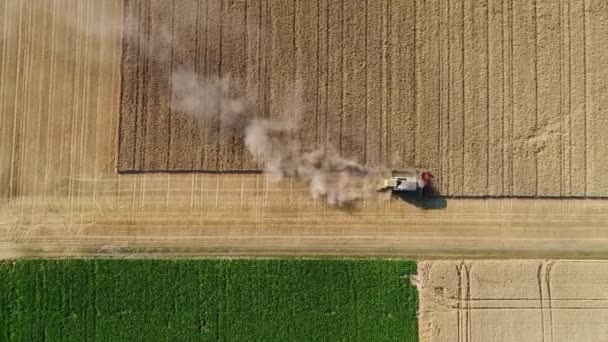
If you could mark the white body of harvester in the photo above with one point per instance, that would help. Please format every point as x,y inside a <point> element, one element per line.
<point>404,181</point>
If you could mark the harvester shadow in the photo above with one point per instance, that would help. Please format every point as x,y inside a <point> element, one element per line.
<point>429,202</point>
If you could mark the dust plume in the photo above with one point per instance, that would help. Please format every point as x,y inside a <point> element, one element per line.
<point>273,142</point>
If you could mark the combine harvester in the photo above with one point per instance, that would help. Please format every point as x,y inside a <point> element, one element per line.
<point>410,181</point>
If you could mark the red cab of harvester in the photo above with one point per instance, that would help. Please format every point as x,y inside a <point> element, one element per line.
<point>427,189</point>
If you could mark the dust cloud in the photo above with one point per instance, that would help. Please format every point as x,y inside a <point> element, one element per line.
<point>273,142</point>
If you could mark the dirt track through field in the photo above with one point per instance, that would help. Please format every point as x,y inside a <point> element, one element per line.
<point>500,98</point>
<point>61,195</point>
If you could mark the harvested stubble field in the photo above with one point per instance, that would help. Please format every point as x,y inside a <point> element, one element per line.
<point>513,300</point>
<point>207,300</point>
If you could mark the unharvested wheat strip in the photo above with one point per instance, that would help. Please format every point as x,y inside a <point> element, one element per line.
<point>254,59</point>
<point>443,173</point>
<point>335,44</point>
<point>184,129</point>
<point>306,57</point>
<point>496,145</point>
<point>322,71</point>
<point>524,97</point>
<point>233,58</point>
<point>507,105</point>
<point>144,26</point>
<point>427,129</point>
<point>456,96</point>
<point>158,89</point>
<point>130,64</point>
<point>476,133</point>
<point>280,67</point>
<point>548,136</point>
<point>354,77</point>
<point>374,84</point>
<point>402,86</point>
<point>386,71</point>
<point>199,66</point>
<point>566,108</point>
<point>265,69</point>
<point>597,95</point>
<point>578,94</point>
<point>211,21</point>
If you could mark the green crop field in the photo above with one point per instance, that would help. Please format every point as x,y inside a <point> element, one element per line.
<point>207,300</point>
